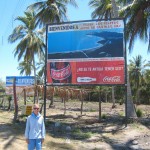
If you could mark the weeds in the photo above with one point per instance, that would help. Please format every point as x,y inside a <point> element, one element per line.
<point>104,116</point>
<point>78,134</point>
<point>139,113</point>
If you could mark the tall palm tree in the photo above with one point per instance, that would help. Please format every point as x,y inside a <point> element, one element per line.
<point>138,20</point>
<point>136,72</point>
<point>130,111</point>
<point>30,40</point>
<point>52,11</point>
<point>102,9</point>
<point>146,87</point>
<point>41,69</point>
<point>25,67</point>
<point>114,9</point>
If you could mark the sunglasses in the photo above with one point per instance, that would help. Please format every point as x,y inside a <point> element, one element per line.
<point>36,108</point>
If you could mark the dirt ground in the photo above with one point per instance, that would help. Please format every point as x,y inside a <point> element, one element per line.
<point>74,131</point>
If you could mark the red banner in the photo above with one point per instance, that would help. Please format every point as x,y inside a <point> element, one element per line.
<point>107,71</point>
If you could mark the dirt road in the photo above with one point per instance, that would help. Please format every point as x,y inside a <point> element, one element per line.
<point>73,132</point>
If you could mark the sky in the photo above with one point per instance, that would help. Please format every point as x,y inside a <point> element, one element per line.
<point>10,9</point>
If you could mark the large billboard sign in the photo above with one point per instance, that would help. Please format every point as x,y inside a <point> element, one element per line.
<point>86,52</point>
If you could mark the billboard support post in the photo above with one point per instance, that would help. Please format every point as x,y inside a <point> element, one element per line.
<point>126,78</point>
<point>45,76</point>
<point>126,117</point>
<point>100,109</point>
<point>44,102</point>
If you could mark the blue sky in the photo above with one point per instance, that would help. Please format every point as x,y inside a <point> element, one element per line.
<point>10,9</point>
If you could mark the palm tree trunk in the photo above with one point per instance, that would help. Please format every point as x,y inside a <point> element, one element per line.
<point>113,97</point>
<point>15,101</point>
<point>131,113</point>
<point>35,82</point>
<point>114,9</point>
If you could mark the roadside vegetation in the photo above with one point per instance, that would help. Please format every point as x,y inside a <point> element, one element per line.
<point>68,119</point>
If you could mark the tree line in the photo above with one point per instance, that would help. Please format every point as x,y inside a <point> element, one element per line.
<point>30,35</point>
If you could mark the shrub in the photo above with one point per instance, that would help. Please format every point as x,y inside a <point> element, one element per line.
<point>104,116</point>
<point>79,134</point>
<point>139,113</point>
<point>121,114</point>
<point>121,101</point>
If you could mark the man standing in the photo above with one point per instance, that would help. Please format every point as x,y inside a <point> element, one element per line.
<point>35,129</point>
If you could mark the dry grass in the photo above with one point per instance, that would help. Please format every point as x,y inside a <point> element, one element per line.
<point>85,132</point>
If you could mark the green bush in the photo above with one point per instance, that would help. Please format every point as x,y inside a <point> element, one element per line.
<point>121,114</point>
<point>95,97</point>
<point>79,134</point>
<point>104,116</point>
<point>139,113</point>
<point>121,101</point>
<point>93,110</point>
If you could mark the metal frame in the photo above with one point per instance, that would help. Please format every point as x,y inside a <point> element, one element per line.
<point>125,67</point>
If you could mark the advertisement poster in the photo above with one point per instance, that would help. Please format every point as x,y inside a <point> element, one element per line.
<point>88,52</point>
<point>21,81</point>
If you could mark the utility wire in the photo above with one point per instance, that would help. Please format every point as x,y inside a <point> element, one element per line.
<point>20,4</point>
<point>10,23</point>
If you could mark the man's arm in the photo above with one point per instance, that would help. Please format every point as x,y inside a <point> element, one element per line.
<point>27,130</point>
<point>43,130</point>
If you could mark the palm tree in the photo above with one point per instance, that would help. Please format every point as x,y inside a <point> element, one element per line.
<point>130,111</point>
<point>137,15</point>
<point>105,9</point>
<point>52,11</point>
<point>30,40</point>
<point>146,87</point>
<point>102,9</point>
<point>136,72</point>
<point>25,67</point>
<point>147,76</point>
<point>41,69</point>
<point>114,9</point>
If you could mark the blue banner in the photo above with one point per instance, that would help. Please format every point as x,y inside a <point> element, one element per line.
<point>20,80</point>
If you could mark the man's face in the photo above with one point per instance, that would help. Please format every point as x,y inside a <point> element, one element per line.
<point>36,109</point>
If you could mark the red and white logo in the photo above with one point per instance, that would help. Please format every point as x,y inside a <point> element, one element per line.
<point>114,79</point>
<point>61,74</point>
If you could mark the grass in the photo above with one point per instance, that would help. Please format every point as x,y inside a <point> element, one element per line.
<point>93,110</point>
<point>61,145</point>
<point>121,114</point>
<point>139,112</point>
<point>79,134</point>
<point>104,116</point>
<point>79,127</point>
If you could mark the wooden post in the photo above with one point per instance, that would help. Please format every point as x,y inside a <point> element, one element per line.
<point>24,91</point>
<point>81,102</point>
<point>99,107</point>
<point>15,100</point>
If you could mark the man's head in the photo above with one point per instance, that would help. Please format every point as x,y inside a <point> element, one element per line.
<point>36,109</point>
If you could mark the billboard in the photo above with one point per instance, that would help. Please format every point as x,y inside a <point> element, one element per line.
<point>20,80</point>
<point>86,52</point>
